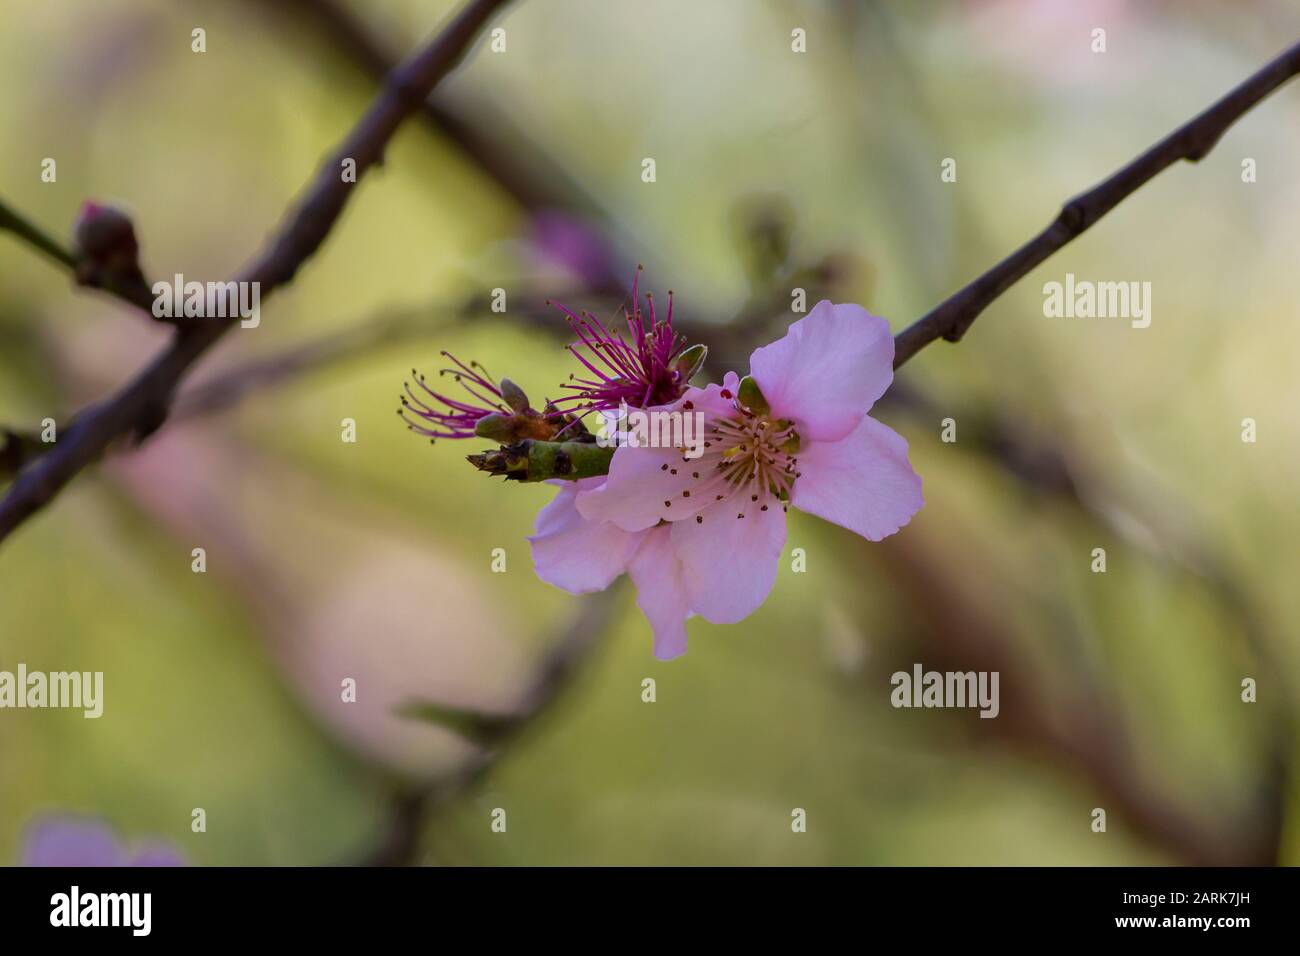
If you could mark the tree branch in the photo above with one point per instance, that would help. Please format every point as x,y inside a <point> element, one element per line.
<point>17,449</point>
<point>268,371</point>
<point>15,222</point>
<point>1191,141</point>
<point>531,178</point>
<point>954,316</point>
<point>140,406</point>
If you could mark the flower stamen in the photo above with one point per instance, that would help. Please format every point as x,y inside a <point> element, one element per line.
<point>745,457</point>
<point>650,366</point>
<point>441,416</point>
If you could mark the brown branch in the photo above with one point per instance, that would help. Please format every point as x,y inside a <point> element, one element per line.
<point>404,93</point>
<point>1191,141</point>
<point>140,406</point>
<point>530,177</point>
<point>951,318</point>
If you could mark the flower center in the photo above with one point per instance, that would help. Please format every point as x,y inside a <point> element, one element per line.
<point>749,459</point>
<point>751,454</point>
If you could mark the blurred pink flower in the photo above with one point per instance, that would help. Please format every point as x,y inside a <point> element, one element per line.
<point>579,247</point>
<point>84,842</point>
<point>704,535</point>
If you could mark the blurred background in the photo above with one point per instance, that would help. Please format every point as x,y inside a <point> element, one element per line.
<point>371,560</point>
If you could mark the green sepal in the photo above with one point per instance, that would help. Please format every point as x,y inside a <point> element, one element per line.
<point>752,398</point>
<point>691,361</point>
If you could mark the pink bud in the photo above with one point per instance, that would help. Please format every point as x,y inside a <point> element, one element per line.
<point>104,233</point>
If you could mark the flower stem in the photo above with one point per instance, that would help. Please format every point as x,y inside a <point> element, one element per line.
<point>532,460</point>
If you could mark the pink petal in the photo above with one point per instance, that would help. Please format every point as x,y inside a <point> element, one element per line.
<point>864,482</point>
<point>661,592</point>
<point>827,371</point>
<point>645,485</point>
<point>730,562</point>
<point>573,553</point>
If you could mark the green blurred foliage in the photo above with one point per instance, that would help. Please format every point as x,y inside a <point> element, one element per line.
<point>330,559</point>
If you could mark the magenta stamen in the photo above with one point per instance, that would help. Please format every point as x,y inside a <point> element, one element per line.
<point>457,418</point>
<point>641,372</point>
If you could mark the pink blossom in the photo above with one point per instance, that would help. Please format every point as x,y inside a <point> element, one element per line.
<point>572,243</point>
<point>650,365</point>
<point>704,535</point>
<point>581,556</point>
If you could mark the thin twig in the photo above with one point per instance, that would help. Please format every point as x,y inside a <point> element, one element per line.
<point>364,338</point>
<point>359,341</point>
<point>1191,141</point>
<point>141,406</point>
<point>15,222</point>
<point>529,177</point>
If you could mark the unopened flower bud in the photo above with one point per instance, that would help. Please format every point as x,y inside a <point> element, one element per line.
<point>104,233</point>
<point>108,256</point>
<point>514,395</point>
<point>496,427</point>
